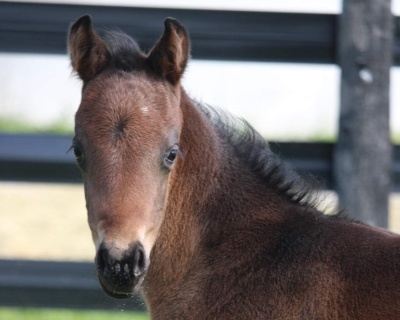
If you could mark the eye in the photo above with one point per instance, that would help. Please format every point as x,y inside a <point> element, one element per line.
<point>171,156</point>
<point>78,154</point>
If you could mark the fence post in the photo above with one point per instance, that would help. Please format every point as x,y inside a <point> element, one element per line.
<point>363,154</point>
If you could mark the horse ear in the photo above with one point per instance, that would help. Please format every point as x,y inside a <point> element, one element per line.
<point>169,56</point>
<point>87,50</point>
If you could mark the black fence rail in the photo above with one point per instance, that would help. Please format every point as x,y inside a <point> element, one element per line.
<point>227,35</point>
<point>56,285</point>
<point>46,158</point>
<point>215,34</point>
<point>37,158</point>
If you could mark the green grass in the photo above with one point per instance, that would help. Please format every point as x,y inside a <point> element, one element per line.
<point>62,314</point>
<point>11,125</point>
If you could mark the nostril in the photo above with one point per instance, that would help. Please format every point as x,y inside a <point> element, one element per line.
<point>139,261</point>
<point>102,261</point>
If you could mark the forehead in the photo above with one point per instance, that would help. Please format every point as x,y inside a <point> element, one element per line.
<point>123,91</point>
<point>119,100</point>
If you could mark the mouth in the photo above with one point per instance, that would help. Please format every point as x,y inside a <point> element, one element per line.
<point>115,294</point>
<point>118,291</point>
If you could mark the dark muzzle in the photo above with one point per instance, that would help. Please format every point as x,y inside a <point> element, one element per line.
<point>119,277</point>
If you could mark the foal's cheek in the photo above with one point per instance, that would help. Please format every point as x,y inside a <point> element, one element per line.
<point>159,206</point>
<point>159,201</point>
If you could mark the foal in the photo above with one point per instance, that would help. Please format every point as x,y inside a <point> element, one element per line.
<point>191,207</point>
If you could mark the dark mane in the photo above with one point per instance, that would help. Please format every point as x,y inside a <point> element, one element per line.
<point>254,151</point>
<point>124,51</point>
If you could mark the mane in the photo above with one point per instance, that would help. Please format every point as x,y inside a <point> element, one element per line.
<point>124,51</point>
<point>255,153</point>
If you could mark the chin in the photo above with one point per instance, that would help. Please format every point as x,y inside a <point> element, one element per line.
<point>118,291</point>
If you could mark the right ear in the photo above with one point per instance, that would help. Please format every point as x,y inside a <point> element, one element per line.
<point>170,55</point>
<point>88,53</point>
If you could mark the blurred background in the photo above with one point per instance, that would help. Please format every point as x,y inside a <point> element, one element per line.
<point>39,95</point>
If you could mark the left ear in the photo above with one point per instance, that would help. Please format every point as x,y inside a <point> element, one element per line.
<point>87,50</point>
<point>169,56</point>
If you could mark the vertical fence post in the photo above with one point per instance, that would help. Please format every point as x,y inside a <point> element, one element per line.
<point>363,154</point>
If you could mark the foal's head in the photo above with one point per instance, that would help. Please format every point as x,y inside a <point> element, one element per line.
<point>127,131</point>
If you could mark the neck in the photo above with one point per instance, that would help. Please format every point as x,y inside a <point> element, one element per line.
<point>190,185</point>
<point>200,183</point>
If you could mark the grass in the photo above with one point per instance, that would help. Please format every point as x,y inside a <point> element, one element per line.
<point>12,125</point>
<point>62,314</point>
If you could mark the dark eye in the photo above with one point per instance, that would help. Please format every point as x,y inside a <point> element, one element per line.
<point>78,154</point>
<point>171,156</point>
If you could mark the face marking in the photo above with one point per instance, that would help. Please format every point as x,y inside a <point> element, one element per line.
<point>145,109</point>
